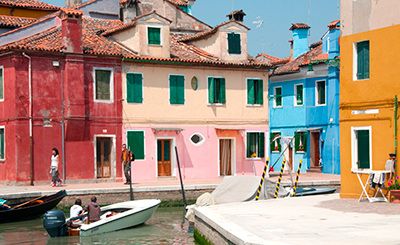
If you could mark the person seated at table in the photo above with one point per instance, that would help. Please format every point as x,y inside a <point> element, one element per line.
<point>93,210</point>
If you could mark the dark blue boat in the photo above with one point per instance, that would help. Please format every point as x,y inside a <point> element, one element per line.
<point>31,209</point>
<point>306,191</point>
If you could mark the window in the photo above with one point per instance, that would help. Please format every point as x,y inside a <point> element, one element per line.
<point>135,143</point>
<point>362,53</point>
<point>234,46</point>
<point>300,141</point>
<point>255,144</point>
<point>275,141</point>
<point>2,144</point>
<point>103,86</point>
<point>1,83</point>
<point>361,147</point>
<point>254,92</point>
<point>197,139</point>
<point>278,97</point>
<point>176,89</point>
<point>298,100</point>
<point>195,83</point>
<point>320,93</point>
<point>154,35</point>
<point>216,90</point>
<point>134,88</point>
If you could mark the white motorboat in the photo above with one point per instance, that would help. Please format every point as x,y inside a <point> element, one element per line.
<point>113,217</point>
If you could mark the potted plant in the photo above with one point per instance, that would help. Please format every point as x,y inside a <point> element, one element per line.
<point>394,188</point>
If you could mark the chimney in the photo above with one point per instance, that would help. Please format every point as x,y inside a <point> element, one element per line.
<point>72,30</point>
<point>291,48</point>
<point>72,3</point>
<point>238,15</point>
<point>300,39</point>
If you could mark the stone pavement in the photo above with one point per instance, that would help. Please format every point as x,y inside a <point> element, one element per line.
<point>322,219</point>
<point>162,184</point>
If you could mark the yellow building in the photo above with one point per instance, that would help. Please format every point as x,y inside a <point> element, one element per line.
<point>369,84</point>
<point>26,8</point>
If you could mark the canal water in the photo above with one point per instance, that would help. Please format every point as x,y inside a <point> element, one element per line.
<point>166,226</point>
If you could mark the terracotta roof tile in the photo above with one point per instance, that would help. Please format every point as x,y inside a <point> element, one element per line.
<point>71,11</point>
<point>269,58</point>
<point>32,4</point>
<point>333,25</point>
<point>13,21</point>
<point>299,26</point>
<point>294,65</point>
<point>185,51</point>
<point>179,2</point>
<point>313,45</point>
<point>204,34</point>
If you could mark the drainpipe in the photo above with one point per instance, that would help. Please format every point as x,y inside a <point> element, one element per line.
<point>63,120</point>
<point>395,125</point>
<point>30,114</point>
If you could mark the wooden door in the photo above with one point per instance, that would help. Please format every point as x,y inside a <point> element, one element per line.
<point>314,146</point>
<point>103,157</point>
<point>225,157</point>
<point>164,157</point>
<point>290,150</point>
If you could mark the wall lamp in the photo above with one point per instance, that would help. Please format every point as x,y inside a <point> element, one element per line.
<point>330,62</point>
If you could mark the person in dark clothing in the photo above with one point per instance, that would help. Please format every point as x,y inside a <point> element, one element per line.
<point>93,210</point>
<point>126,158</point>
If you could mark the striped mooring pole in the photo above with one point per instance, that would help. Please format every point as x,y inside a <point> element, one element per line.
<point>297,178</point>
<point>280,178</point>
<point>262,179</point>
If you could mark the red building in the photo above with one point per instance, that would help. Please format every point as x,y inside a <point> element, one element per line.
<point>60,88</point>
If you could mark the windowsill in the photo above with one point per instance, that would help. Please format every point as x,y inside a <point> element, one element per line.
<point>361,79</point>
<point>235,54</point>
<point>298,105</point>
<point>320,105</point>
<point>104,101</point>
<point>277,107</point>
<point>255,158</point>
<point>134,103</point>
<point>275,151</point>
<point>302,152</point>
<point>215,104</point>
<point>155,45</point>
<point>254,105</point>
<point>2,160</point>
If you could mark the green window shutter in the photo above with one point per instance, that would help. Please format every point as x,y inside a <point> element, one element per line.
<point>363,148</point>
<point>279,143</point>
<point>261,140</point>
<point>222,98</point>
<point>154,35</point>
<point>134,88</point>
<point>271,143</point>
<point>366,60</point>
<point>278,96</point>
<point>248,146</point>
<point>250,92</point>
<point>1,84</point>
<point>136,143</point>
<point>360,60</point>
<point>304,141</point>
<point>211,90</point>
<point>260,92</point>
<point>2,156</point>
<point>299,94</point>
<point>180,89</point>
<point>296,141</point>
<point>172,90</point>
<point>234,46</point>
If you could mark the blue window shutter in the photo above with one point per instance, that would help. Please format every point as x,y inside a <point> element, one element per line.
<point>222,98</point>
<point>135,142</point>
<point>260,92</point>
<point>250,92</point>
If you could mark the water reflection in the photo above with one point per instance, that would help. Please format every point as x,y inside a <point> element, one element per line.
<point>166,226</point>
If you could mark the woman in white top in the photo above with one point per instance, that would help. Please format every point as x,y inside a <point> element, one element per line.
<point>55,159</point>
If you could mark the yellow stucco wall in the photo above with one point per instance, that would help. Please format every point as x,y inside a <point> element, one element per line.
<point>23,12</point>
<point>378,93</point>
<point>196,111</point>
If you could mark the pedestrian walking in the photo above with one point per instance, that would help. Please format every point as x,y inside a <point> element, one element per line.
<point>55,160</point>
<point>126,158</point>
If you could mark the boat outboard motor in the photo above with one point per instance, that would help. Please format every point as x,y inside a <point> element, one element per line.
<point>54,223</point>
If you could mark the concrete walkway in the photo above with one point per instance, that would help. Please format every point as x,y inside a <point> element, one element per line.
<point>323,219</point>
<point>162,184</point>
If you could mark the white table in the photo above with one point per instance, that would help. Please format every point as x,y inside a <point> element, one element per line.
<point>364,186</point>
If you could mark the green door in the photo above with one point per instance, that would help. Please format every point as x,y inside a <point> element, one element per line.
<point>363,149</point>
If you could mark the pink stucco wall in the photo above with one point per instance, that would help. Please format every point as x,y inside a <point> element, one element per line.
<point>197,161</point>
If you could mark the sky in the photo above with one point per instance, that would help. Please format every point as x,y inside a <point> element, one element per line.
<point>277,17</point>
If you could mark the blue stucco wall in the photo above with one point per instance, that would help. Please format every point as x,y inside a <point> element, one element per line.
<point>300,42</point>
<point>288,118</point>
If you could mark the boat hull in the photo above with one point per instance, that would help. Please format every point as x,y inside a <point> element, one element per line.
<point>307,191</point>
<point>31,212</point>
<point>141,211</point>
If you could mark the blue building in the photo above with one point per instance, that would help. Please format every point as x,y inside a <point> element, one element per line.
<point>304,104</point>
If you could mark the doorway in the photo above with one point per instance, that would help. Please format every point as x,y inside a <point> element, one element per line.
<point>226,157</point>
<point>164,157</point>
<point>288,155</point>
<point>314,149</point>
<point>103,157</point>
